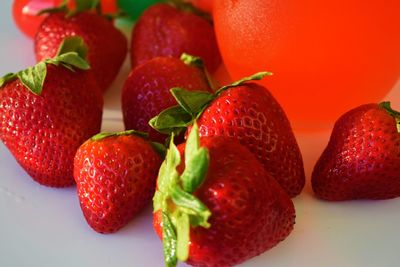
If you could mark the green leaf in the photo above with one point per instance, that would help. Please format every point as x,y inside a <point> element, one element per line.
<point>71,59</point>
<point>171,120</point>
<point>159,201</point>
<point>254,77</point>
<point>196,162</point>
<point>191,204</point>
<point>159,148</point>
<point>73,44</point>
<point>63,7</point>
<point>183,236</point>
<point>7,78</point>
<point>195,171</point>
<point>168,175</point>
<point>169,242</point>
<point>193,141</point>
<point>86,5</point>
<point>192,102</point>
<point>101,136</point>
<point>71,54</point>
<point>394,113</point>
<point>33,77</point>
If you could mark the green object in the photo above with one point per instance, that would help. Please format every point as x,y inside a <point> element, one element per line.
<point>71,54</point>
<point>101,136</point>
<point>191,105</point>
<point>180,208</point>
<point>134,8</point>
<point>395,114</point>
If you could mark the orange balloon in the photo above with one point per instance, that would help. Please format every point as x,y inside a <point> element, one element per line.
<point>327,56</point>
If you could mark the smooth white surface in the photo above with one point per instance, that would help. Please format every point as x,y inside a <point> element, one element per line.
<point>44,227</point>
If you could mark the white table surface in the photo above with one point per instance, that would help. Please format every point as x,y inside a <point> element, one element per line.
<point>44,227</point>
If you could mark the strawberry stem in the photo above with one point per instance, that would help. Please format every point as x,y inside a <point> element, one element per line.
<point>199,63</point>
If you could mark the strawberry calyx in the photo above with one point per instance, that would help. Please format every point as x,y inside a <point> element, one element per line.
<point>174,197</point>
<point>394,113</point>
<point>104,135</point>
<point>77,6</point>
<point>71,55</point>
<point>191,105</point>
<point>159,148</point>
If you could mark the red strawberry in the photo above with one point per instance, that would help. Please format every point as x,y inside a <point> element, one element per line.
<point>362,158</point>
<point>249,113</point>
<point>146,91</point>
<point>107,45</point>
<point>164,30</point>
<point>222,209</point>
<point>116,177</point>
<point>46,113</point>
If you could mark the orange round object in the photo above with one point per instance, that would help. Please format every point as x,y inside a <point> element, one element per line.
<point>327,56</point>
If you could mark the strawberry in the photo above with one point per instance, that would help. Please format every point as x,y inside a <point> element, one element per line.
<point>164,30</point>
<point>146,90</point>
<point>219,207</point>
<point>362,158</point>
<point>107,45</point>
<point>249,113</point>
<point>116,176</point>
<point>48,111</point>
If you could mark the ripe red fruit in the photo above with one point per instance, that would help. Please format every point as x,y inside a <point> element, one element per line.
<point>25,14</point>
<point>116,177</point>
<point>146,91</point>
<point>43,126</point>
<point>237,212</point>
<point>107,45</point>
<point>163,30</point>
<point>248,113</point>
<point>362,158</point>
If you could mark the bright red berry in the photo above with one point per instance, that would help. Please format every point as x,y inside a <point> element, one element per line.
<point>116,177</point>
<point>107,45</point>
<point>237,212</point>
<point>146,91</point>
<point>164,30</point>
<point>43,126</point>
<point>362,158</point>
<point>248,113</point>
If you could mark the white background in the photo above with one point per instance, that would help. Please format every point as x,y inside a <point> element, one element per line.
<point>44,227</point>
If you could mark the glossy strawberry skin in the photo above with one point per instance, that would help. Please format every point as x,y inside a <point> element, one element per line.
<point>146,91</point>
<point>107,45</point>
<point>43,132</point>
<point>362,159</point>
<point>115,178</point>
<point>163,30</point>
<point>250,211</point>
<point>250,114</point>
